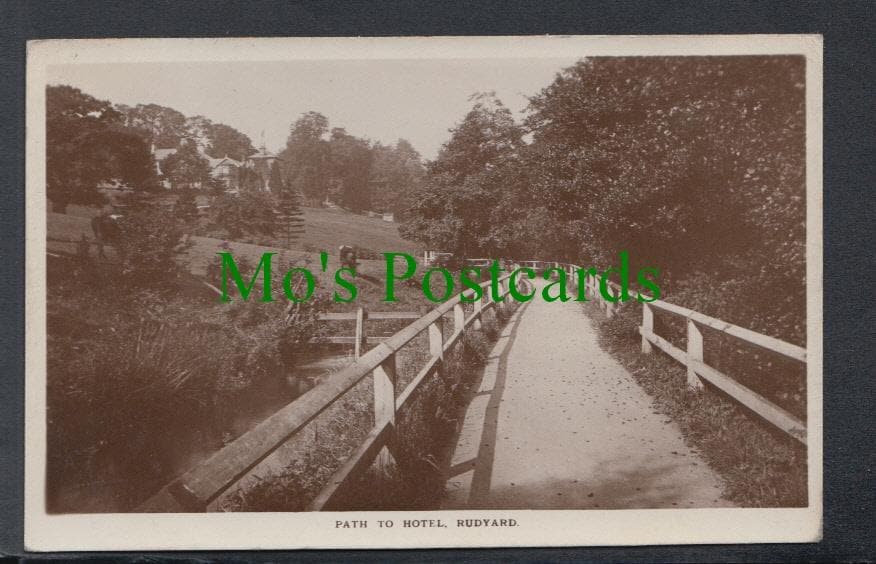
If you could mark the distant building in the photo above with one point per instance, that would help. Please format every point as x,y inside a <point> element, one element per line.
<point>226,169</point>
<point>435,257</point>
<point>261,163</point>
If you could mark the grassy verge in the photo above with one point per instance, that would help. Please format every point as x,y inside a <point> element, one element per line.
<point>761,466</point>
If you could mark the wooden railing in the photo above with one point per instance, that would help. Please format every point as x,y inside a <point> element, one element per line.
<point>204,483</point>
<point>361,338</point>
<point>198,487</point>
<point>693,356</point>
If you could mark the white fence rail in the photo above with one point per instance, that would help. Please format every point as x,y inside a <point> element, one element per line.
<point>198,487</point>
<point>204,483</point>
<point>693,356</point>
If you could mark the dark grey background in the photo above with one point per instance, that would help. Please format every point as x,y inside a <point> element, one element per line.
<point>849,213</point>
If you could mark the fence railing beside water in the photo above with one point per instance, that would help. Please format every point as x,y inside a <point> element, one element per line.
<point>201,485</point>
<point>204,483</point>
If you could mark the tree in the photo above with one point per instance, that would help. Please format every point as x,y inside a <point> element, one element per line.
<point>165,127</point>
<point>249,179</point>
<point>186,207</point>
<point>225,141</point>
<point>148,243</point>
<point>453,209</point>
<point>306,156</point>
<point>186,167</point>
<point>350,166</point>
<point>642,147</point>
<point>483,140</point>
<point>396,175</point>
<point>290,218</point>
<point>87,144</point>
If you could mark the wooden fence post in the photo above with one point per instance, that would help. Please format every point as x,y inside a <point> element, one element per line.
<point>458,318</point>
<point>436,338</point>
<point>478,306</point>
<point>694,352</point>
<point>361,316</point>
<point>384,406</point>
<point>647,327</point>
<point>609,305</point>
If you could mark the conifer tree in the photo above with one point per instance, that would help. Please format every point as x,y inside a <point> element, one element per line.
<point>290,218</point>
<point>186,207</point>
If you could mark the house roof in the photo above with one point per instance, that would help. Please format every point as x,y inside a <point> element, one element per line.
<point>222,160</point>
<point>161,154</point>
<point>263,154</point>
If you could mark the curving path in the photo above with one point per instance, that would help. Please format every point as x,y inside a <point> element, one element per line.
<point>558,424</point>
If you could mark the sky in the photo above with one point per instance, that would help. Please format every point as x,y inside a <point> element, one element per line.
<point>382,100</point>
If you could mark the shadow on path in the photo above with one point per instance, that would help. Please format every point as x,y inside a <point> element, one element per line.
<point>482,462</point>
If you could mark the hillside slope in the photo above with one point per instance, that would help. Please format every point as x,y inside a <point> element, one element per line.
<point>325,229</point>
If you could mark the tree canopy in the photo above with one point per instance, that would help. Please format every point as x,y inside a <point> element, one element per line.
<point>695,165</point>
<point>452,211</point>
<point>186,167</point>
<point>323,163</point>
<point>306,156</point>
<point>167,128</point>
<point>87,143</point>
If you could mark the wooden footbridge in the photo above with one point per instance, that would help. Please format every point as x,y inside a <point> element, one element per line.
<point>200,486</point>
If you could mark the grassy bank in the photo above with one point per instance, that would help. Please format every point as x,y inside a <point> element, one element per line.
<point>761,467</point>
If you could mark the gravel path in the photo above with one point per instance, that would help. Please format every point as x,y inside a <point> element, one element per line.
<point>557,423</point>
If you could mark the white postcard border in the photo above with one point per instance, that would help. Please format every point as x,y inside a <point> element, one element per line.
<point>44,532</point>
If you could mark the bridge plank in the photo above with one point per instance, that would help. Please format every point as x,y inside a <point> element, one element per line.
<point>372,315</point>
<point>348,340</point>
<point>354,467</point>
<point>764,341</point>
<point>753,401</point>
<point>665,346</point>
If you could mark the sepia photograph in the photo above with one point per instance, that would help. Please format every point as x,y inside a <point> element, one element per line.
<point>423,292</point>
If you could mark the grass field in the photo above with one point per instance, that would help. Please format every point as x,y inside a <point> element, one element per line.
<point>325,229</point>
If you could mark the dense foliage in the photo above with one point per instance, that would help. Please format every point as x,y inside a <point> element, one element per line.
<point>87,144</point>
<point>186,168</point>
<point>695,165</point>
<point>329,164</point>
<point>166,127</point>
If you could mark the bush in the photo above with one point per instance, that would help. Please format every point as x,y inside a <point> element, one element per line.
<point>249,213</point>
<point>148,243</point>
<point>142,379</point>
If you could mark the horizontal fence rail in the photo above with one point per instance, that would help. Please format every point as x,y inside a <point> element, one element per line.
<point>201,485</point>
<point>361,338</point>
<point>692,357</point>
<point>204,483</point>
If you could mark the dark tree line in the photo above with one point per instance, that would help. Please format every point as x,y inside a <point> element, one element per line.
<point>324,163</point>
<point>87,143</point>
<point>695,165</point>
<point>166,128</point>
